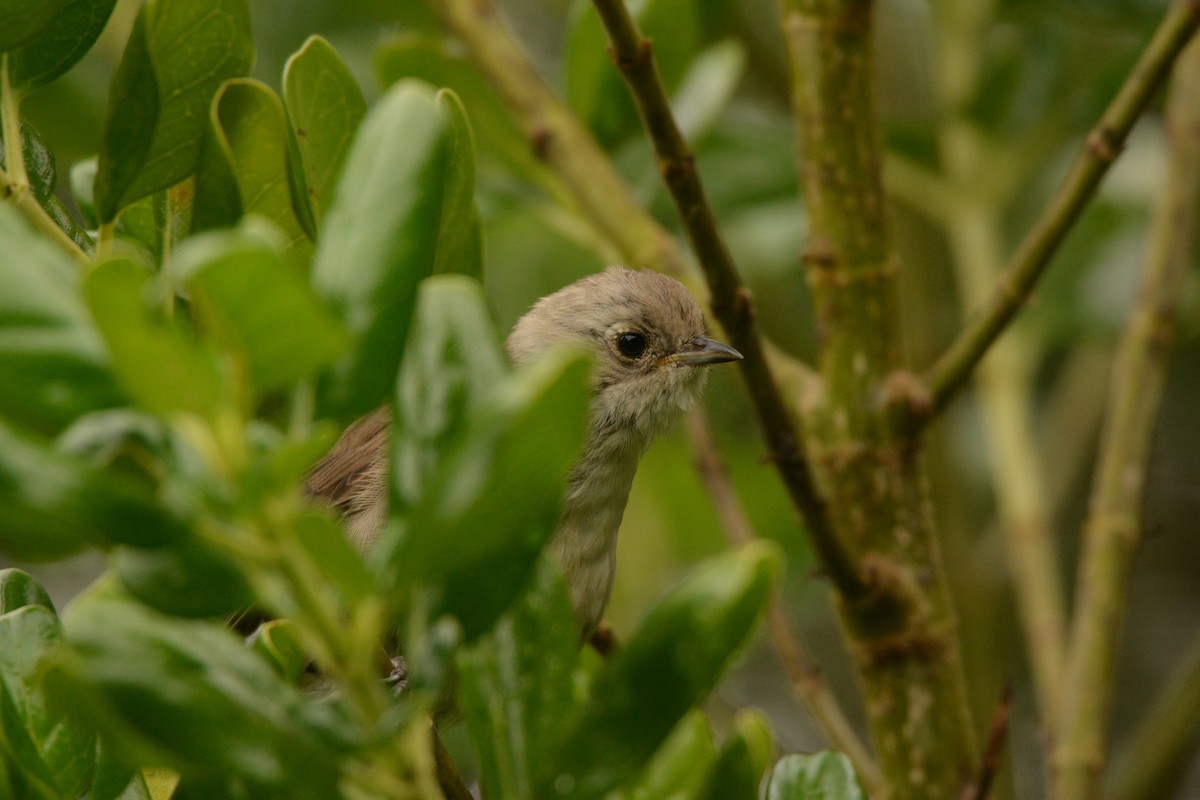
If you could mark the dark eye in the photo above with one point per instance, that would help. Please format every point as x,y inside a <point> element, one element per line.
<point>631,345</point>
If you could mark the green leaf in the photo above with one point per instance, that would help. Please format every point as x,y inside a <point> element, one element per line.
<point>188,579</point>
<point>116,781</point>
<point>259,308</point>
<point>517,683</point>
<point>23,20</point>
<point>156,363</point>
<point>673,660</point>
<point>43,175</point>
<point>278,643</point>
<point>59,45</point>
<point>18,589</point>
<point>49,747</point>
<point>52,363</point>
<point>83,183</point>
<point>249,133</point>
<point>827,775</point>
<point>178,54</point>
<point>738,768</point>
<point>460,245</point>
<point>679,765</point>
<point>325,107</point>
<point>380,239</point>
<point>191,696</point>
<point>495,500</point>
<point>328,548</point>
<point>451,367</point>
<point>595,89</point>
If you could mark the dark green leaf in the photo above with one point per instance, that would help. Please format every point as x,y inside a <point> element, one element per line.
<point>517,683</point>
<point>190,695</point>
<point>680,763</point>
<point>56,750</point>
<point>259,308</point>
<point>325,107</point>
<point>450,369</point>
<point>43,175</point>
<point>380,239</point>
<point>116,781</point>
<point>22,21</point>
<point>827,775</point>
<point>18,589</point>
<point>187,579</point>
<point>52,363</point>
<point>156,363</point>
<point>249,132</point>
<point>59,45</point>
<point>737,771</point>
<point>673,660</point>
<point>495,500</point>
<point>179,53</point>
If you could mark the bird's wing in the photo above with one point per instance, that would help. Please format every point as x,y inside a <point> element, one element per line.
<point>357,457</point>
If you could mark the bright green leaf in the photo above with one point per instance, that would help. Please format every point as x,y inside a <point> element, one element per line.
<point>52,362</point>
<point>827,775</point>
<point>451,366</point>
<point>259,307</point>
<point>155,362</point>
<point>460,245</point>
<point>679,765</point>
<point>59,45</point>
<point>249,132</point>
<point>18,589</point>
<point>380,239</point>
<point>179,53</point>
<point>671,663</point>
<point>329,549</point>
<point>325,107</point>
<point>191,696</point>
<point>278,643</point>
<point>517,683</point>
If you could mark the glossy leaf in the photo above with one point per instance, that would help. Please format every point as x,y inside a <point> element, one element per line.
<point>183,377</point>
<point>43,175</point>
<point>595,89</point>
<point>52,362</point>
<point>60,44</point>
<point>451,367</point>
<point>380,239</point>
<point>18,589</point>
<point>737,770</point>
<point>259,307</point>
<point>495,500</point>
<point>178,54</point>
<point>671,663</point>
<point>516,684</point>
<point>249,133</point>
<point>190,695</point>
<point>325,107</point>
<point>22,21</point>
<point>827,775</point>
<point>48,747</point>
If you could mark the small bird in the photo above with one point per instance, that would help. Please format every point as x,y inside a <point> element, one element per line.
<point>648,338</point>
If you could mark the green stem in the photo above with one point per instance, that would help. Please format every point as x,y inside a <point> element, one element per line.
<point>10,114</point>
<point>1113,527</point>
<point>1012,290</point>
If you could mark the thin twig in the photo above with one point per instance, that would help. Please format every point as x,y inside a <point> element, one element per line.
<point>1113,526</point>
<point>804,674</point>
<point>993,750</point>
<point>731,302</point>
<point>606,199</point>
<point>1101,148</point>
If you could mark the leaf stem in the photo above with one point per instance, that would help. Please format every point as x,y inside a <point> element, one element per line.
<point>10,112</point>
<point>951,370</point>
<point>1113,526</point>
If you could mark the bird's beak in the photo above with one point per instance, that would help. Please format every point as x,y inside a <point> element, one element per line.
<point>704,351</point>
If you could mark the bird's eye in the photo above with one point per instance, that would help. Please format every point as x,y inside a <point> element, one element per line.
<point>631,345</point>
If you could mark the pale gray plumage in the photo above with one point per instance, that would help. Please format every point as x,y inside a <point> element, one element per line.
<point>636,397</point>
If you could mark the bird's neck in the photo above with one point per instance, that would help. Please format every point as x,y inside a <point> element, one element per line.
<point>585,543</point>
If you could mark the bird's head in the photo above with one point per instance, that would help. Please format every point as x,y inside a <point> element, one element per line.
<point>648,339</point>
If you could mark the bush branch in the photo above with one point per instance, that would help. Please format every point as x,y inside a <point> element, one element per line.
<point>1100,149</point>
<point>1113,527</point>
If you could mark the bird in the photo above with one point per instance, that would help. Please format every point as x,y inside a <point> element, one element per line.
<point>650,349</point>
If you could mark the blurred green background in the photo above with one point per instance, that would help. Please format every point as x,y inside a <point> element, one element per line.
<point>1037,74</point>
